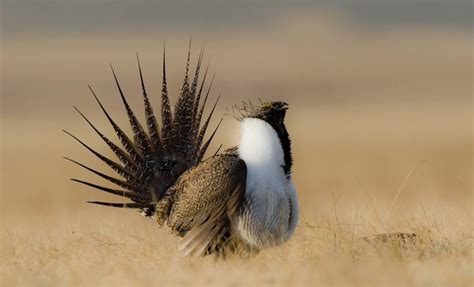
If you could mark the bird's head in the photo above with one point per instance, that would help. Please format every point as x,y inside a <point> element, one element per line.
<point>271,112</point>
<point>274,114</point>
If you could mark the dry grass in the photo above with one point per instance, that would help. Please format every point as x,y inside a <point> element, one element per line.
<point>134,252</point>
<point>50,237</point>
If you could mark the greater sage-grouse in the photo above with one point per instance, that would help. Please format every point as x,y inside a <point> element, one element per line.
<point>239,199</point>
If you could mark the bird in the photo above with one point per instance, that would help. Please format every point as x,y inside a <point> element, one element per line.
<point>241,200</point>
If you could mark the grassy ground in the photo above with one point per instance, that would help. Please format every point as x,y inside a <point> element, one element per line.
<point>132,252</point>
<point>351,190</point>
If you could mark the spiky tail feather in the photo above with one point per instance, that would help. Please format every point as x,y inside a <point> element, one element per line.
<point>152,162</point>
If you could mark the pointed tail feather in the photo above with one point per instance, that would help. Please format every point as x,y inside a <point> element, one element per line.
<point>182,120</point>
<point>203,130</point>
<point>197,101</point>
<point>115,166</point>
<point>126,142</point>
<point>201,110</point>
<point>189,113</point>
<point>196,77</point>
<point>121,155</point>
<point>218,150</point>
<point>141,138</point>
<point>116,181</point>
<point>153,128</point>
<point>206,144</point>
<point>124,205</point>
<point>166,116</point>
<point>131,195</point>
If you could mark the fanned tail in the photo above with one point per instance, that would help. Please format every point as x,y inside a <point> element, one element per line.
<point>152,162</point>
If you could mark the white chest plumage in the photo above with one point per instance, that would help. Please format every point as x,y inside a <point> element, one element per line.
<point>269,213</point>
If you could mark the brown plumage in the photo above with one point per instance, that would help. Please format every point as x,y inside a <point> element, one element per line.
<point>205,199</point>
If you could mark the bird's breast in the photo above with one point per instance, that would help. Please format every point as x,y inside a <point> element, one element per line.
<point>264,217</point>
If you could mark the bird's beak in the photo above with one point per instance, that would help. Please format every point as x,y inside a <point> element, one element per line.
<point>283,106</point>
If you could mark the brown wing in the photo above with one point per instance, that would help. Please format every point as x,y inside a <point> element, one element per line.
<point>205,198</point>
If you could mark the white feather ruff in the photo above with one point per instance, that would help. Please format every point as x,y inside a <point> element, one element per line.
<point>261,150</point>
<point>270,195</point>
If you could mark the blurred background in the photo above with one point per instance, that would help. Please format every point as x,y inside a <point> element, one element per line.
<point>380,96</point>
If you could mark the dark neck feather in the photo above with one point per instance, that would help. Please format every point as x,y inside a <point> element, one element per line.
<point>286,145</point>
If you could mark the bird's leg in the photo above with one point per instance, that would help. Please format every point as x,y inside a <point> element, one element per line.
<point>163,208</point>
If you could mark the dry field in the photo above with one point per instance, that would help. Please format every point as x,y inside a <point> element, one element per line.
<point>351,188</point>
<point>381,125</point>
